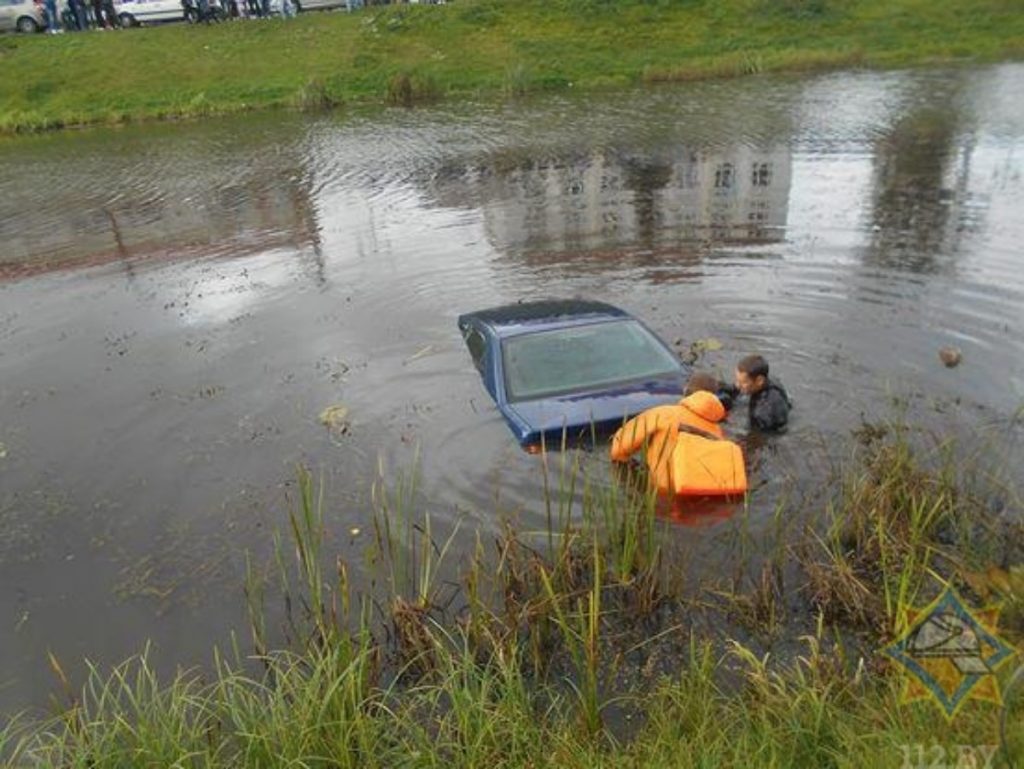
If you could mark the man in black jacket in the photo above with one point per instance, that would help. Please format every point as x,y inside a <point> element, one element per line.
<point>769,401</point>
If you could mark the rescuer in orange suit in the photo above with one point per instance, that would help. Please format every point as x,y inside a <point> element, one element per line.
<point>685,450</point>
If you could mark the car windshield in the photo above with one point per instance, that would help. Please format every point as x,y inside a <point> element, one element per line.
<point>581,358</point>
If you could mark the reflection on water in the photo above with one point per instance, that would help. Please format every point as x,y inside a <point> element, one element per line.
<point>615,206</point>
<point>154,199</point>
<point>179,303</point>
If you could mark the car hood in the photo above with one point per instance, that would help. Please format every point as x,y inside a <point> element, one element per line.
<point>577,413</point>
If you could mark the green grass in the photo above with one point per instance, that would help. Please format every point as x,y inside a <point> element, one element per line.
<point>545,656</point>
<point>409,54</point>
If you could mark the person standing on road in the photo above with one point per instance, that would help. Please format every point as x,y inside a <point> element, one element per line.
<point>78,13</point>
<point>97,13</point>
<point>52,17</point>
<point>111,15</point>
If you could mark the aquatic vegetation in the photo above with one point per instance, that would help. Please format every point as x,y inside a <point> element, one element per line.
<point>315,96</point>
<point>406,89</point>
<point>335,417</point>
<point>574,647</point>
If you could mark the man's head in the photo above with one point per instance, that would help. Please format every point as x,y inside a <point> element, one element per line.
<point>701,381</point>
<point>752,374</point>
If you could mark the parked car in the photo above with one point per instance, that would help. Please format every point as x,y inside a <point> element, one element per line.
<point>21,15</point>
<point>569,369</point>
<point>310,5</point>
<point>135,12</point>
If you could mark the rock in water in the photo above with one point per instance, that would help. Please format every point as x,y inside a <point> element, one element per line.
<point>951,356</point>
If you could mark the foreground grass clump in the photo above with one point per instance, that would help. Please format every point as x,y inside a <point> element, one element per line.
<point>575,647</point>
<point>403,55</point>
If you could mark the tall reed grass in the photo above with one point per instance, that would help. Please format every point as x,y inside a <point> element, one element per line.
<point>533,660</point>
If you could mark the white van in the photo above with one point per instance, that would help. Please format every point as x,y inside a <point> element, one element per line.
<point>135,12</point>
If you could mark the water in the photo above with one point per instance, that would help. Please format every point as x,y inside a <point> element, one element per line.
<point>179,303</point>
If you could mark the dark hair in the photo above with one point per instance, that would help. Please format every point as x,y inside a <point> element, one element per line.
<point>701,381</point>
<point>753,366</point>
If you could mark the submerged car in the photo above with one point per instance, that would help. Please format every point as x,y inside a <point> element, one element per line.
<point>569,370</point>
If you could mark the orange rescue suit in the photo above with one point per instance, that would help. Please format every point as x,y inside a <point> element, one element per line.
<point>686,452</point>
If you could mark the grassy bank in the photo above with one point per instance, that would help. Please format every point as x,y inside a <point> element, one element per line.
<point>406,54</point>
<point>579,646</point>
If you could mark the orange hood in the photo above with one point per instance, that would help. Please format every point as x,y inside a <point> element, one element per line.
<point>705,406</point>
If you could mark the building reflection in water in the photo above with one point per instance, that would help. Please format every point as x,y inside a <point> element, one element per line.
<point>209,213</point>
<point>599,210</point>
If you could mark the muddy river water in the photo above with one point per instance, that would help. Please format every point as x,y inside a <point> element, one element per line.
<point>179,303</point>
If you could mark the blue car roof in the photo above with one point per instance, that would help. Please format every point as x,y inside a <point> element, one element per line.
<point>511,319</point>
<point>571,414</point>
